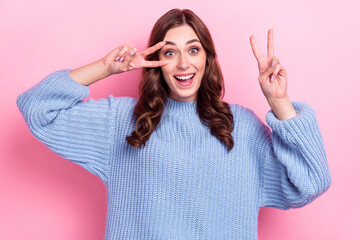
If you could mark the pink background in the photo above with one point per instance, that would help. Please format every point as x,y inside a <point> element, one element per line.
<point>44,196</point>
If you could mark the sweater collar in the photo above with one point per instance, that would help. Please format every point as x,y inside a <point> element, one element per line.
<point>182,107</point>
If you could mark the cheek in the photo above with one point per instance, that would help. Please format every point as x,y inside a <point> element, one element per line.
<point>168,68</point>
<point>201,62</point>
<point>166,73</point>
<point>201,66</point>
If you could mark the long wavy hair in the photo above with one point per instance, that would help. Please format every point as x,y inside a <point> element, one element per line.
<point>153,90</point>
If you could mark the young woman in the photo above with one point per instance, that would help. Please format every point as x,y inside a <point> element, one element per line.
<point>180,163</point>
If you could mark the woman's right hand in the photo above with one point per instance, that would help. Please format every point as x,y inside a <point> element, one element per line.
<point>124,58</point>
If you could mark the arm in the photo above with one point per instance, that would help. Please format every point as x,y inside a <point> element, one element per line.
<point>282,108</point>
<point>90,73</point>
<point>294,164</point>
<point>120,59</point>
<point>76,130</point>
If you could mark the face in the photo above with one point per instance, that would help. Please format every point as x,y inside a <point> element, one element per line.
<point>186,63</point>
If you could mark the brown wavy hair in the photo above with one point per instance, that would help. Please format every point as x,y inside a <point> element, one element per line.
<point>153,90</point>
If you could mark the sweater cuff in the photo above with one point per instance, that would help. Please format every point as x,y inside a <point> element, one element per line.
<point>62,80</point>
<point>304,120</point>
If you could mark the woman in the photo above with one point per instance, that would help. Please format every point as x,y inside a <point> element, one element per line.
<point>178,162</point>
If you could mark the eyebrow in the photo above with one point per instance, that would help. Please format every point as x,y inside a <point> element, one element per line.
<point>188,42</point>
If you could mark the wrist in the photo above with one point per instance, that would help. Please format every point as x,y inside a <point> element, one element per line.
<point>278,101</point>
<point>282,108</point>
<point>103,68</point>
<point>89,73</point>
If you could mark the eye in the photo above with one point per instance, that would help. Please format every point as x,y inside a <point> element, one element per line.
<point>171,53</point>
<point>196,50</point>
<point>166,53</point>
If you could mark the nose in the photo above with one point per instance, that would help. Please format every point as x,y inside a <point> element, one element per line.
<point>183,62</point>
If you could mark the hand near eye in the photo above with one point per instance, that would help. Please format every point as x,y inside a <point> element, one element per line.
<point>124,58</point>
<point>272,78</point>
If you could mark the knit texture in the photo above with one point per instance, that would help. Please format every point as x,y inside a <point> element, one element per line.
<point>183,184</point>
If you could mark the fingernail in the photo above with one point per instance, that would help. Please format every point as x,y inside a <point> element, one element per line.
<point>271,78</point>
<point>131,54</point>
<point>117,58</point>
<point>121,59</point>
<point>273,62</point>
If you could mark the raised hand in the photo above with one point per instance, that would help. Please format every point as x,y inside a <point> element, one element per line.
<point>272,75</point>
<point>124,58</point>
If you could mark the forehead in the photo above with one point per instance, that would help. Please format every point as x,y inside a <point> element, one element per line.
<point>180,35</point>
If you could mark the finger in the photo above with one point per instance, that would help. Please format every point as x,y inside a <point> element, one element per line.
<point>122,52</point>
<point>270,43</point>
<point>153,48</point>
<point>255,48</point>
<point>151,64</point>
<point>128,56</point>
<point>276,72</point>
<point>114,53</point>
<point>266,74</point>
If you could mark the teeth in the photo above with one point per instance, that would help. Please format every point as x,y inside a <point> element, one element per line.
<point>185,77</point>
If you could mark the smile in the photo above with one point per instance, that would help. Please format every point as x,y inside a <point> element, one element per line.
<point>185,80</point>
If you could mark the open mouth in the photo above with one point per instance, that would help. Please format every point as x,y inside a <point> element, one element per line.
<point>185,79</point>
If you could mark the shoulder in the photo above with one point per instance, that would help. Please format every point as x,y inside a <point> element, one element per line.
<point>125,101</point>
<point>242,113</point>
<point>113,102</point>
<point>125,104</point>
<point>246,121</point>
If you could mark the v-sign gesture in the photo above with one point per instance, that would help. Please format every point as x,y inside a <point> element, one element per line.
<point>272,75</point>
<point>124,58</point>
<point>273,79</point>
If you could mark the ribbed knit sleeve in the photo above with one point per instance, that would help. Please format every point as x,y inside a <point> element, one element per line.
<point>295,169</point>
<point>77,130</point>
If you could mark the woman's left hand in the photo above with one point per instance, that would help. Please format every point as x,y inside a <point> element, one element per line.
<point>272,75</point>
<point>273,80</point>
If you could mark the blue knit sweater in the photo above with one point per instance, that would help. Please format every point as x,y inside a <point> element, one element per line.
<point>183,184</point>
